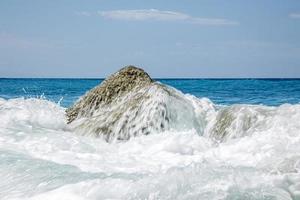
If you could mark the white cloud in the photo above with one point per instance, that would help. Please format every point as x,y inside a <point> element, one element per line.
<point>158,15</point>
<point>294,15</point>
<point>141,15</point>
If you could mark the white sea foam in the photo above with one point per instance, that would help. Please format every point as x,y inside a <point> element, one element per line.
<point>40,158</point>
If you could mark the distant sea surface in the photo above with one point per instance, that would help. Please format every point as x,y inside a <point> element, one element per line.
<point>272,92</point>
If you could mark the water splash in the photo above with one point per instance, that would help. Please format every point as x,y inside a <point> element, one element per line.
<point>258,158</point>
<point>144,111</point>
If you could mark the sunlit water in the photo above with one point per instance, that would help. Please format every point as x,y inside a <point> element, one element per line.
<point>40,158</point>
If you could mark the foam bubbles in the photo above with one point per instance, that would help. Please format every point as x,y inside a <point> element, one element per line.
<point>259,159</point>
<point>31,113</point>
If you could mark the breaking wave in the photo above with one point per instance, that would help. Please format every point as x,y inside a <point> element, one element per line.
<point>212,152</point>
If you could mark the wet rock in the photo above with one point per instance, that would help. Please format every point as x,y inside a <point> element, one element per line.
<point>128,104</point>
<point>110,89</point>
<point>238,120</point>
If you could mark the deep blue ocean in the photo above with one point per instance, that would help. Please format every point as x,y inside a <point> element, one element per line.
<point>271,92</point>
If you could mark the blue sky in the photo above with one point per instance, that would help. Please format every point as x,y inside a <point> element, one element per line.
<point>184,38</point>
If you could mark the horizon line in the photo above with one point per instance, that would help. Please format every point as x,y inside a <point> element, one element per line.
<point>161,78</point>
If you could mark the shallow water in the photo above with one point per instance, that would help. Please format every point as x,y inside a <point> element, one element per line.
<point>40,158</point>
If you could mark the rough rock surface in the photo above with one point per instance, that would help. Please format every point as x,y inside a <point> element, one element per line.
<point>118,84</point>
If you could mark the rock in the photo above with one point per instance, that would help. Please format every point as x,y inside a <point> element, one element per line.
<point>116,85</point>
<point>129,103</point>
<point>236,121</point>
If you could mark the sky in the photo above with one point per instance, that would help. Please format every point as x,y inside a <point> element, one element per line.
<point>169,39</point>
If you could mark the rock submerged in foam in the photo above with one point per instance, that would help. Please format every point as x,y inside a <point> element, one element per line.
<point>129,103</point>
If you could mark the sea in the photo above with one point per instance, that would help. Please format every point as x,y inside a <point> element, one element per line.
<point>41,158</point>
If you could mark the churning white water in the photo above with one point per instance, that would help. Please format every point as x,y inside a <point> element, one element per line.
<point>257,157</point>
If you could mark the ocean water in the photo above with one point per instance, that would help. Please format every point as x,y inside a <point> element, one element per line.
<point>271,92</point>
<point>42,158</point>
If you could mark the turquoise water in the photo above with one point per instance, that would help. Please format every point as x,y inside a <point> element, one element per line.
<point>271,92</point>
